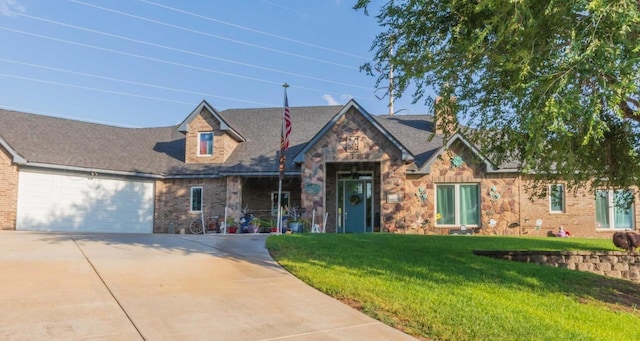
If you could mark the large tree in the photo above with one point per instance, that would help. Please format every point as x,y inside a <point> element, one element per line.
<point>553,84</point>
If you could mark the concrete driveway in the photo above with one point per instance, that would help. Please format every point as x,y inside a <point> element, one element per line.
<point>163,287</point>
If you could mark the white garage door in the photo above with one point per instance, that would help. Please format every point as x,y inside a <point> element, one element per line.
<point>54,201</point>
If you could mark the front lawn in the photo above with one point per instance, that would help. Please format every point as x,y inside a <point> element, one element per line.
<point>434,287</point>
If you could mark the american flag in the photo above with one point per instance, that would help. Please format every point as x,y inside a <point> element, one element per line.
<point>285,131</point>
<point>286,125</point>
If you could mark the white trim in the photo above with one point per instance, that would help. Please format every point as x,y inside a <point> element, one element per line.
<point>200,134</point>
<point>273,205</point>
<point>91,171</point>
<point>611,205</point>
<point>184,126</point>
<point>191,198</point>
<point>564,199</point>
<point>456,213</point>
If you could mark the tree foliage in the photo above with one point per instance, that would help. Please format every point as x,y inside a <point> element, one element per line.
<point>553,84</point>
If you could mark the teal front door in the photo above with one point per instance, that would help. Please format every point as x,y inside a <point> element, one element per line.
<point>353,198</point>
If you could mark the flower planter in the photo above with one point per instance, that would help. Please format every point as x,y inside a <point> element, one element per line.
<point>232,229</point>
<point>295,226</point>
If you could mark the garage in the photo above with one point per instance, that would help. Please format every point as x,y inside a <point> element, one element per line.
<point>84,202</point>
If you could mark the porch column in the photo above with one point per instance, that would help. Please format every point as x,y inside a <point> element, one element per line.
<point>313,191</point>
<point>234,197</point>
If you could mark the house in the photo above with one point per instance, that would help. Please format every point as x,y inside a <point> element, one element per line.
<point>368,173</point>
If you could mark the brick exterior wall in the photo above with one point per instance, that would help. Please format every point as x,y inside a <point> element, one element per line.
<point>503,196</point>
<point>223,144</point>
<point>8,191</point>
<point>173,199</point>
<point>579,216</point>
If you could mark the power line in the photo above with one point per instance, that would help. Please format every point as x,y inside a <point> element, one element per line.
<point>251,29</point>
<point>213,35</point>
<point>76,118</point>
<point>93,89</point>
<point>159,60</point>
<point>132,82</point>
<point>188,52</point>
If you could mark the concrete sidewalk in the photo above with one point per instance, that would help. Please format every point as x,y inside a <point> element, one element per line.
<point>163,287</point>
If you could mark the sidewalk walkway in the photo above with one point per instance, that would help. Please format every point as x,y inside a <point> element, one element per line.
<point>163,287</point>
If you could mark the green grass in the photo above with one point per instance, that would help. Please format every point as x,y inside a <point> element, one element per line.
<point>434,287</point>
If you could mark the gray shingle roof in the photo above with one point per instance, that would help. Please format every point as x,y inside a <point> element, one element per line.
<point>414,132</point>
<point>160,151</point>
<point>65,142</point>
<point>262,128</point>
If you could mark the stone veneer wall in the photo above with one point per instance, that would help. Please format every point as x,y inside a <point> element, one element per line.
<point>373,147</point>
<point>234,197</point>
<point>420,211</point>
<point>173,199</point>
<point>8,191</point>
<point>607,263</point>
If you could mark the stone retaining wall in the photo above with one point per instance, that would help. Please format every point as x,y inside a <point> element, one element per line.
<point>608,263</point>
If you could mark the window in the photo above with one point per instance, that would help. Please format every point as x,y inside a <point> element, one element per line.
<point>205,144</point>
<point>284,202</point>
<point>196,199</point>
<point>457,204</point>
<point>556,198</point>
<point>614,209</point>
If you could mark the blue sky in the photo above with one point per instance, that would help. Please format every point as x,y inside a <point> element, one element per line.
<point>146,63</point>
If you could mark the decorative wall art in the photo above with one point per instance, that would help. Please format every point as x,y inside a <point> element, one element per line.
<point>353,144</point>
<point>422,195</point>
<point>457,161</point>
<point>493,194</point>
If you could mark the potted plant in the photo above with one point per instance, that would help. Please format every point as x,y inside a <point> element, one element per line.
<point>254,224</point>
<point>264,225</point>
<point>231,225</point>
<point>294,223</point>
<point>305,225</point>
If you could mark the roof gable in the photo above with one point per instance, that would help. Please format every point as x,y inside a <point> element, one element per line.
<point>224,126</point>
<point>406,154</point>
<point>490,167</point>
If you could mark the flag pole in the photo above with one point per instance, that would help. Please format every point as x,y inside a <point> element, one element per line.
<point>282,159</point>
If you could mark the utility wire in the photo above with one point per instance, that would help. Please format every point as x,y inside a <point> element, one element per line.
<point>160,60</point>
<point>251,29</point>
<point>132,82</point>
<point>93,89</point>
<point>187,51</point>
<point>212,35</point>
<point>75,118</point>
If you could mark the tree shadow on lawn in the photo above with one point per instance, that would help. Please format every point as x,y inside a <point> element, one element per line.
<point>450,260</point>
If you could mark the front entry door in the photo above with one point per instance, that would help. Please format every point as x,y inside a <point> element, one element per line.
<point>354,196</point>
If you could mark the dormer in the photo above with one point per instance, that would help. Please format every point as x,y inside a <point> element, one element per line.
<point>209,139</point>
